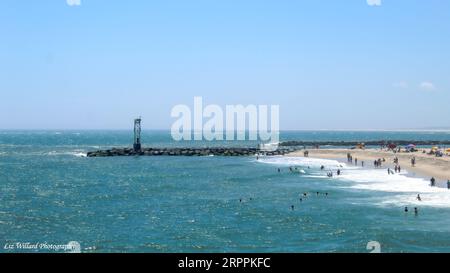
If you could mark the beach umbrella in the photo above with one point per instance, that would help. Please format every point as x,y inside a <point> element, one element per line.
<point>435,148</point>
<point>448,150</point>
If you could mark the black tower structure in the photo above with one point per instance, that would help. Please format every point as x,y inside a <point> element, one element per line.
<point>137,135</point>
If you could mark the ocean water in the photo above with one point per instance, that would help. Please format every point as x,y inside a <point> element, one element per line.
<point>51,193</point>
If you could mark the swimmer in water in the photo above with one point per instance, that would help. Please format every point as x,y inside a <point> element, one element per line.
<point>292,207</point>
<point>317,193</point>
<point>339,172</point>
<point>406,209</point>
<point>305,194</point>
<point>416,211</point>
<point>419,198</point>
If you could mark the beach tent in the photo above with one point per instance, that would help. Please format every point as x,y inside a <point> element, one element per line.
<point>360,146</point>
<point>392,146</point>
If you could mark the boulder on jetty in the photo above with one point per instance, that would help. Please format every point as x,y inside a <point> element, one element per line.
<point>221,151</point>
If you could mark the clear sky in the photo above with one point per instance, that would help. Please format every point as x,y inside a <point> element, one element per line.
<point>329,64</point>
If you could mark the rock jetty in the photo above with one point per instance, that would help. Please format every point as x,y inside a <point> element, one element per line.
<point>187,152</point>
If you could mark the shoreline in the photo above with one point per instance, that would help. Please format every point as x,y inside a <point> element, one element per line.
<point>427,166</point>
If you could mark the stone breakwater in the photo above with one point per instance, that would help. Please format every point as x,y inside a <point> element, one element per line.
<point>187,152</point>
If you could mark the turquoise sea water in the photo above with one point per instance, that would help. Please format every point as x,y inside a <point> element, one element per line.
<point>51,193</point>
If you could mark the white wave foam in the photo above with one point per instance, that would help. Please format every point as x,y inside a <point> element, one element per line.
<point>380,180</point>
<point>74,153</point>
<point>436,199</point>
<point>302,161</point>
<point>404,187</point>
<point>79,154</point>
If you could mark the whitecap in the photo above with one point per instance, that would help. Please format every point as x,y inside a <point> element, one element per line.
<point>301,161</point>
<point>72,153</point>
<point>79,154</point>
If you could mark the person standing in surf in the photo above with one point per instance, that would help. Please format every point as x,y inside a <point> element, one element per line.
<point>433,181</point>
<point>413,161</point>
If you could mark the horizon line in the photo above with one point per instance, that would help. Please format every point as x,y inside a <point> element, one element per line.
<point>282,130</point>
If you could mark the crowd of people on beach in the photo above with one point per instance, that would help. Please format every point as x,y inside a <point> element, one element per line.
<point>294,169</point>
<point>378,163</point>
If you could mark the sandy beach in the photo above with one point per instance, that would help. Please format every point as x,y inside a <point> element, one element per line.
<point>427,166</point>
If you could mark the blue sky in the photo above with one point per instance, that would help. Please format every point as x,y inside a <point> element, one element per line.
<point>328,64</point>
